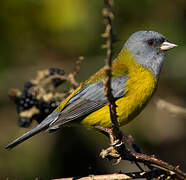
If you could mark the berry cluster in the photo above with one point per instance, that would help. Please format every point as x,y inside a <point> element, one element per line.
<point>28,98</point>
<point>26,101</point>
<point>55,71</point>
<point>45,109</point>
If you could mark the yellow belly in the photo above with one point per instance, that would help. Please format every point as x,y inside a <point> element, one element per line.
<point>139,89</point>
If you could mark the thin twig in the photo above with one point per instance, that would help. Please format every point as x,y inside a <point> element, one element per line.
<point>120,176</point>
<point>153,161</point>
<point>74,73</point>
<point>108,17</point>
<point>122,153</point>
<point>172,108</point>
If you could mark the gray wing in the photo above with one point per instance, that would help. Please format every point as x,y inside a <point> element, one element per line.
<point>88,99</point>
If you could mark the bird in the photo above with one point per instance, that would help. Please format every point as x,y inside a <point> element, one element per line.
<point>135,75</point>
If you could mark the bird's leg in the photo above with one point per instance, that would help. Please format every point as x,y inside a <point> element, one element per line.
<point>111,151</point>
<point>114,136</point>
<point>131,147</point>
<point>105,131</point>
<point>118,140</point>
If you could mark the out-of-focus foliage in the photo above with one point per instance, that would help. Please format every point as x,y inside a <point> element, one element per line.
<point>39,34</point>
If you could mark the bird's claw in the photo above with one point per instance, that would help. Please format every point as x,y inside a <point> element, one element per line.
<point>117,143</point>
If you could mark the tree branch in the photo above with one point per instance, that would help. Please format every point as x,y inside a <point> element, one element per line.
<point>109,35</point>
<point>121,153</point>
<point>172,108</point>
<point>119,176</point>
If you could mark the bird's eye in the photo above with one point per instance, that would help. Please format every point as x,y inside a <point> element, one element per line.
<point>151,42</point>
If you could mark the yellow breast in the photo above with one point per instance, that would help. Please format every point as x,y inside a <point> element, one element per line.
<point>139,89</point>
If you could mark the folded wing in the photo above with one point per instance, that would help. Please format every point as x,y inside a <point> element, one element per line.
<point>89,99</point>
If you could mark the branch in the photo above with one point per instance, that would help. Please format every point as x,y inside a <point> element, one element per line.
<point>153,161</point>
<point>73,74</point>
<point>108,34</point>
<point>121,153</point>
<point>119,176</point>
<point>172,108</point>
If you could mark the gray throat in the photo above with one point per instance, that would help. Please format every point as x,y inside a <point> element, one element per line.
<point>151,59</point>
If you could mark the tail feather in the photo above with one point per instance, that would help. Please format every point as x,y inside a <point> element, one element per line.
<point>40,127</point>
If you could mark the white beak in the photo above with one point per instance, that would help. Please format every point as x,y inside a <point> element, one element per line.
<point>167,45</point>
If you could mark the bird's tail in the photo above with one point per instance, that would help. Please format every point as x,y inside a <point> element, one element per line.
<point>40,127</point>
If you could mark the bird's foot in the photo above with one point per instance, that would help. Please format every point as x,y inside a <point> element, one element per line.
<point>117,143</point>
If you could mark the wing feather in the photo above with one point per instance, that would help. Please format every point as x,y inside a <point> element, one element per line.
<point>89,99</point>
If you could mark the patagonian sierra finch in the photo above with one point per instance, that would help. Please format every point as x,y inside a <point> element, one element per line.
<point>135,75</point>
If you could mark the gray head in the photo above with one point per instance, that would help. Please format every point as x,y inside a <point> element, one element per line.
<point>149,49</point>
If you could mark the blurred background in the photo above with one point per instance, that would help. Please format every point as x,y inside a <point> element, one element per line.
<point>36,35</point>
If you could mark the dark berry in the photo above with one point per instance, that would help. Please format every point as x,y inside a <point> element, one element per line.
<point>52,71</point>
<point>32,102</point>
<point>40,104</point>
<point>20,108</point>
<point>52,104</point>
<point>23,96</point>
<point>57,81</point>
<point>26,105</point>
<point>28,95</point>
<point>27,100</point>
<point>28,85</point>
<point>21,101</point>
<point>47,110</point>
<point>60,72</point>
<point>24,122</point>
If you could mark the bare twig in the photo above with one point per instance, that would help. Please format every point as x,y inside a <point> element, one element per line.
<point>153,161</point>
<point>73,74</point>
<point>108,17</point>
<point>120,176</point>
<point>116,136</point>
<point>172,108</point>
<point>120,152</point>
